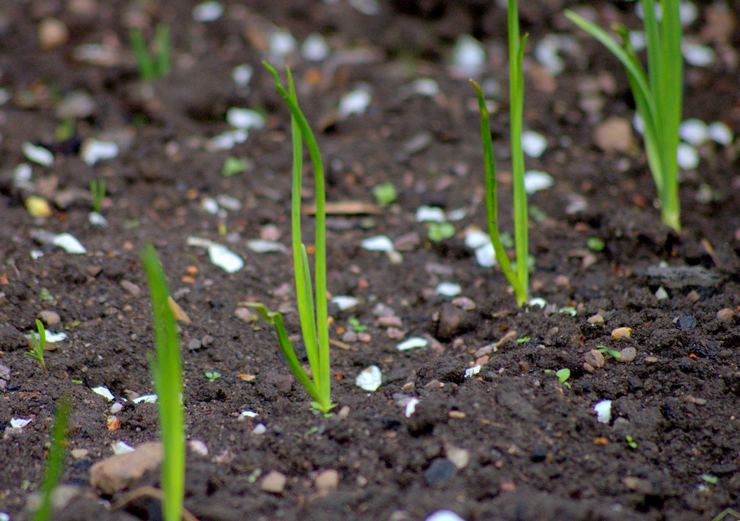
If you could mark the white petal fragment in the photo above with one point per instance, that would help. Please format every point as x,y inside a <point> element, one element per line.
<point>315,48</point>
<point>93,151</point>
<point>369,379</point>
<point>536,181</point>
<point>265,246</point>
<point>69,243</point>
<point>720,133</point>
<point>412,343</point>
<point>104,392</point>
<point>219,255</point>
<point>410,407</point>
<point>54,337</point>
<point>430,214</point>
<point>378,243</point>
<point>344,302</point>
<point>694,132</point>
<point>698,55</point>
<point>448,289</point>
<point>120,447</point>
<point>468,57</point>
<point>245,119</point>
<point>688,157</point>
<point>242,74</point>
<point>603,410</point>
<point>534,144</point>
<point>38,154</point>
<point>146,398</point>
<point>354,102</point>
<point>207,12</point>
<point>472,371</point>
<point>19,423</point>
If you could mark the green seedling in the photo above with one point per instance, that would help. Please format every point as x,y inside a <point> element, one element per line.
<point>312,306</point>
<point>157,64</point>
<point>437,232</point>
<point>166,368</point>
<point>657,93</point>
<point>563,376</point>
<point>630,441</point>
<point>65,130</point>
<point>595,244</point>
<point>38,344</point>
<point>55,461</point>
<point>356,325</point>
<point>522,340</point>
<point>568,310</point>
<point>712,480</point>
<point>385,194</point>
<point>97,194</point>
<point>519,279</point>
<point>234,166</point>
<point>212,376</point>
<point>616,355</point>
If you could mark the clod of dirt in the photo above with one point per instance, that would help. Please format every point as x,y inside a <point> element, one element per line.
<point>118,472</point>
<point>11,338</point>
<point>452,322</point>
<point>427,414</point>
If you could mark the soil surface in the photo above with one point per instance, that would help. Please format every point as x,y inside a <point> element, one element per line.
<point>508,442</point>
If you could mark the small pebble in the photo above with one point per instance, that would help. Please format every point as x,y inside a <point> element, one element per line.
<point>594,358</point>
<point>198,447</point>
<point>50,318</point>
<point>349,337</point>
<point>661,293</point>
<point>244,314</point>
<point>369,379</point>
<point>327,481</point>
<point>194,344</point>
<point>444,515</point>
<point>116,408</point>
<point>440,471</point>
<point>464,303</point>
<point>651,360</point>
<point>273,482</point>
<point>459,457</point>
<point>726,315</point>
<point>79,453</point>
<point>52,33</point>
<point>131,288</point>
<point>622,333</point>
<point>627,355</point>
<point>389,321</point>
<point>596,320</point>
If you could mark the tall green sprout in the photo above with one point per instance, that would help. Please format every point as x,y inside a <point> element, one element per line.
<point>657,94</point>
<point>55,461</point>
<point>518,277</point>
<point>166,368</point>
<point>312,307</point>
<point>157,64</point>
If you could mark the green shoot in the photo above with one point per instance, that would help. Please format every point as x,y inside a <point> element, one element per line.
<point>312,307</point>
<point>595,244</point>
<point>38,344</point>
<point>234,166</point>
<point>156,65</point>
<point>385,194</point>
<point>518,275</point>
<point>55,461</point>
<point>630,441</point>
<point>438,232</point>
<point>657,94</point>
<point>605,350</point>
<point>97,193</point>
<point>212,376</point>
<point>356,325</point>
<point>166,368</point>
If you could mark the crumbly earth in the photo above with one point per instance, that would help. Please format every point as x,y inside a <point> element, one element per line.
<point>510,442</point>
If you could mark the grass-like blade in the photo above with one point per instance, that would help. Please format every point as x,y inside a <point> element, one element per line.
<point>55,461</point>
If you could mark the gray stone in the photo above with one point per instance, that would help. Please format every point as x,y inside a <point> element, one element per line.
<point>440,471</point>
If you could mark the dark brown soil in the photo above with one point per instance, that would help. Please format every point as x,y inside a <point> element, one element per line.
<point>535,448</point>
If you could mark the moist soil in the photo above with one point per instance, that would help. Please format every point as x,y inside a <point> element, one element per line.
<point>510,442</point>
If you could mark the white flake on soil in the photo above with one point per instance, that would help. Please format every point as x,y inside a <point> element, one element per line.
<point>444,515</point>
<point>430,214</point>
<point>603,410</point>
<point>315,48</point>
<point>281,44</point>
<point>366,7</point>
<point>344,302</point>
<point>97,219</point>
<point>207,12</point>
<point>425,87</point>
<point>468,57</point>
<point>694,132</point>
<point>19,423</point>
<point>22,177</point>
<point>534,144</point>
<point>536,181</point>
<point>265,246</point>
<point>227,140</point>
<point>259,429</point>
<point>54,337</point>
<point>219,255</point>
<point>245,119</point>
<point>104,392</point>
<point>448,289</point>
<point>146,398</point>
<point>410,407</point>
<point>720,133</point>
<point>242,74</point>
<point>248,413</point>
<point>369,378</point>
<point>472,371</point>
<point>93,151</point>
<point>120,447</point>
<point>538,302</point>
<point>475,238</point>
<point>69,243</point>
<point>485,256</point>
<point>412,343</point>
<point>698,55</point>
<point>378,243</point>
<point>37,154</point>
<point>687,156</point>
<point>354,102</point>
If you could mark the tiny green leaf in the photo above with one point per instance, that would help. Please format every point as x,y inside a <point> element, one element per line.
<point>595,244</point>
<point>233,166</point>
<point>440,231</point>
<point>563,375</point>
<point>385,194</point>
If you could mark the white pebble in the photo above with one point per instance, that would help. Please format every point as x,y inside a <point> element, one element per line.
<point>19,423</point>
<point>533,143</point>
<point>485,256</point>
<point>281,45</point>
<point>468,57</point>
<point>219,255</point>
<point>344,302</point>
<point>537,302</point>
<point>248,413</point>
<point>425,87</point>
<point>444,515</point>
<point>536,180</point>
<point>694,132</point>
<point>687,156</point>
<point>116,408</point>
<point>475,238</point>
<point>720,133</point>
<point>227,140</point>
<point>38,154</point>
<point>69,243</point>
<point>22,177</point>
<point>146,398</point>
<point>698,55</point>
<point>198,447</point>
<point>245,119</point>
<point>97,219</point>
<point>54,337</point>
<point>259,429</point>
<point>547,53</point>
<point>354,102</point>
<point>209,205</point>
<point>242,74</point>
<point>369,379</point>
<point>104,392</point>
<point>207,12</point>
<point>120,447</point>
<point>412,343</point>
<point>430,214</point>
<point>410,407</point>
<point>448,289</point>
<point>472,371</point>
<point>661,294</point>
<point>603,410</point>
<point>264,246</point>
<point>315,48</point>
<point>93,151</point>
<point>378,243</point>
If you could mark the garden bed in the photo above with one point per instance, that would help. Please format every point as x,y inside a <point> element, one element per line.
<point>494,433</point>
